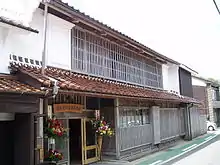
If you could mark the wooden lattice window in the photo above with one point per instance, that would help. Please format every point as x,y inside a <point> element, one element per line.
<point>97,56</point>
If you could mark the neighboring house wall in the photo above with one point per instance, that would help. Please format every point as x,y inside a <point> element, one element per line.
<point>185,82</point>
<point>198,82</point>
<point>210,103</point>
<point>202,90</point>
<point>200,93</point>
<point>199,114</point>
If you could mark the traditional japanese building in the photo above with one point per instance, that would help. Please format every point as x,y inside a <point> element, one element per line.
<point>93,68</point>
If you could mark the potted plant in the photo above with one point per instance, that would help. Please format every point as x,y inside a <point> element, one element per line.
<point>53,156</point>
<point>54,128</point>
<point>102,128</point>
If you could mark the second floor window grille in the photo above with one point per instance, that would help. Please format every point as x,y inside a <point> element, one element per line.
<point>94,55</point>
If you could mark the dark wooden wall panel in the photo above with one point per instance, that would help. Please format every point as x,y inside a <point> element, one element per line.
<point>18,103</point>
<point>185,81</point>
<point>23,140</point>
<point>6,143</point>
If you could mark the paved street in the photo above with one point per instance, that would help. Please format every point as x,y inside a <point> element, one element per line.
<point>177,152</point>
<point>206,156</point>
<point>191,152</point>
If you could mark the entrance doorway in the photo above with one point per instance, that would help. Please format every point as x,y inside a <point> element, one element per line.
<point>75,143</point>
<point>82,142</point>
<point>16,140</point>
<point>7,142</point>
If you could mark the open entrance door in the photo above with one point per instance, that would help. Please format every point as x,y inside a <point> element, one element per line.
<point>89,143</point>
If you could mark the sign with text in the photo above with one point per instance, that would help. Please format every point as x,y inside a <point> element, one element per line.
<point>76,108</point>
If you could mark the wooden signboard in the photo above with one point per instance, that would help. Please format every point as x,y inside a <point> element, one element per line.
<point>76,108</point>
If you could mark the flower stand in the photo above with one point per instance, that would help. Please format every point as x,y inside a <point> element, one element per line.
<point>99,141</point>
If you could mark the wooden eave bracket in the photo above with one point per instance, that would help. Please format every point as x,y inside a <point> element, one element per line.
<point>75,21</point>
<point>103,33</point>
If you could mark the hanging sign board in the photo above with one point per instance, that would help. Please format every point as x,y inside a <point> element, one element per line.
<point>75,108</point>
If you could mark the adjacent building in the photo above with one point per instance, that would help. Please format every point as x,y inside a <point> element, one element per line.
<point>146,96</point>
<point>208,92</point>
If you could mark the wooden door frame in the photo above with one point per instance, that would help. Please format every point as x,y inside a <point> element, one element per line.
<point>85,148</point>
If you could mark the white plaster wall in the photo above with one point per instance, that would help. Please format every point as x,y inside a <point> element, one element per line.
<point>59,42</point>
<point>30,44</point>
<point>165,77</point>
<point>198,82</point>
<point>4,58</point>
<point>171,77</point>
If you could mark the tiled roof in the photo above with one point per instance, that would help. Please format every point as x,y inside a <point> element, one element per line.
<point>70,81</point>
<point>13,23</point>
<point>11,84</point>
<point>82,16</point>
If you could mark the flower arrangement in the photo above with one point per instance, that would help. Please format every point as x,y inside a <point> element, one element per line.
<point>53,155</point>
<point>102,127</point>
<point>54,128</point>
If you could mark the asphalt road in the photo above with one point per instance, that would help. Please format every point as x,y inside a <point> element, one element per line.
<point>206,156</point>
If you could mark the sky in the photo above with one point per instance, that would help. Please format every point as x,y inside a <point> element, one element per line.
<point>187,31</point>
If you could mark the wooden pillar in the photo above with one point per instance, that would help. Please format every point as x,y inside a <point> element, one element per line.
<point>188,123</point>
<point>117,128</point>
<point>155,118</point>
<point>40,122</point>
<point>45,111</point>
<point>32,139</point>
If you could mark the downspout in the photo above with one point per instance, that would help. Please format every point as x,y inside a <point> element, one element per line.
<point>45,111</point>
<point>44,36</point>
<point>189,120</point>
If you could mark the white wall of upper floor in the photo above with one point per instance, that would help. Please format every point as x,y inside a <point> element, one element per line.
<point>29,45</point>
<point>171,77</point>
<point>198,82</point>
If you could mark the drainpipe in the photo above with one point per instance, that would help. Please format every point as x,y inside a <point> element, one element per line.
<point>189,120</point>
<point>45,109</point>
<point>44,36</point>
